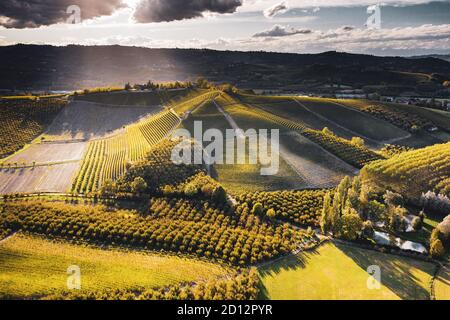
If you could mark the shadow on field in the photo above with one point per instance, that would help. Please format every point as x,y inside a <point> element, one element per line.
<point>291,262</point>
<point>396,272</point>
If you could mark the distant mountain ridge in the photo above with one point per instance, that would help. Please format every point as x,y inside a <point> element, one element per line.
<point>445,57</point>
<point>43,67</point>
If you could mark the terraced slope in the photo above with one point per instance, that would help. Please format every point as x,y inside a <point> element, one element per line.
<point>106,159</point>
<point>413,172</point>
<point>22,120</point>
<point>355,155</point>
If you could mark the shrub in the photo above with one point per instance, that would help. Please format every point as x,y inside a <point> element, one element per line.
<point>271,214</point>
<point>393,199</point>
<point>367,230</point>
<point>257,209</point>
<point>437,250</point>
<point>417,223</point>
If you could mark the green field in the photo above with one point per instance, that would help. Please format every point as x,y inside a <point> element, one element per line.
<point>442,284</point>
<point>339,272</point>
<point>31,266</point>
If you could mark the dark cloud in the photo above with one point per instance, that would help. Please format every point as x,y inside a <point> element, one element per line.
<point>281,31</point>
<point>276,9</point>
<point>170,10</point>
<point>36,13</point>
<point>348,28</point>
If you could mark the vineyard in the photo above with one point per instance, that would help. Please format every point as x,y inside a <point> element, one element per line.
<point>356,155</point>
<point>23,120</point>
<point>107,159</point>
<point>190,103</point>
<point>413,172</point>
<point>405,120</point>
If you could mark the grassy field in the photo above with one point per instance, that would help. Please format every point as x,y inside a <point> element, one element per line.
<point>31,266</point>
<point>442,284</point>
<point>339,272</point>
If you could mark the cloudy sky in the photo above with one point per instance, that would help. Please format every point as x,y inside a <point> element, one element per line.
<point>301,26</point>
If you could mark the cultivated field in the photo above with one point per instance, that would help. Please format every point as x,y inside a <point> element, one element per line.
<point>318,167</point>
<point>32,266</point>
<point>135,98</point>
<point>242,177</point>
<point>339,272</point>
<point>24,119</point>
<point>313,165</point>
<point>86,121</point>
<point>49,153</point>
<point>364,125</point>
<point>106,159</point>
<point>48,178</point>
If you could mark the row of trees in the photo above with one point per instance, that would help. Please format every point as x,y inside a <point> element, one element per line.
<point>239,286</point>
<point>215,234</point>
<point>302,208</point>
<point>151,85</point>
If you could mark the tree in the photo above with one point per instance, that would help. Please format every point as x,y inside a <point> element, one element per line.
<point>109,188</point>
<point>437,250</point>
<point>190,190</point>
<point>257,208</point>
<point>138,185</point>
<point>393,199</point>
<point>350,225</point>
<point>325,219</point>
<point>367,230</point>
<point>127,86</point>
<point>327,131</point>
<point>357,142</point>
<point>375,210</point>
<point>396,218</point>
<point>271,213</point>
<point>219,195</point>
<point>417,223</point>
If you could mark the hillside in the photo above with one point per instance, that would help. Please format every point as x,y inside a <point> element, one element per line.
<point>43,67</point>
<point>414,172</point>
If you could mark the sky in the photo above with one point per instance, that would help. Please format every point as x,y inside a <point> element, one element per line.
<point>390,27</point>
